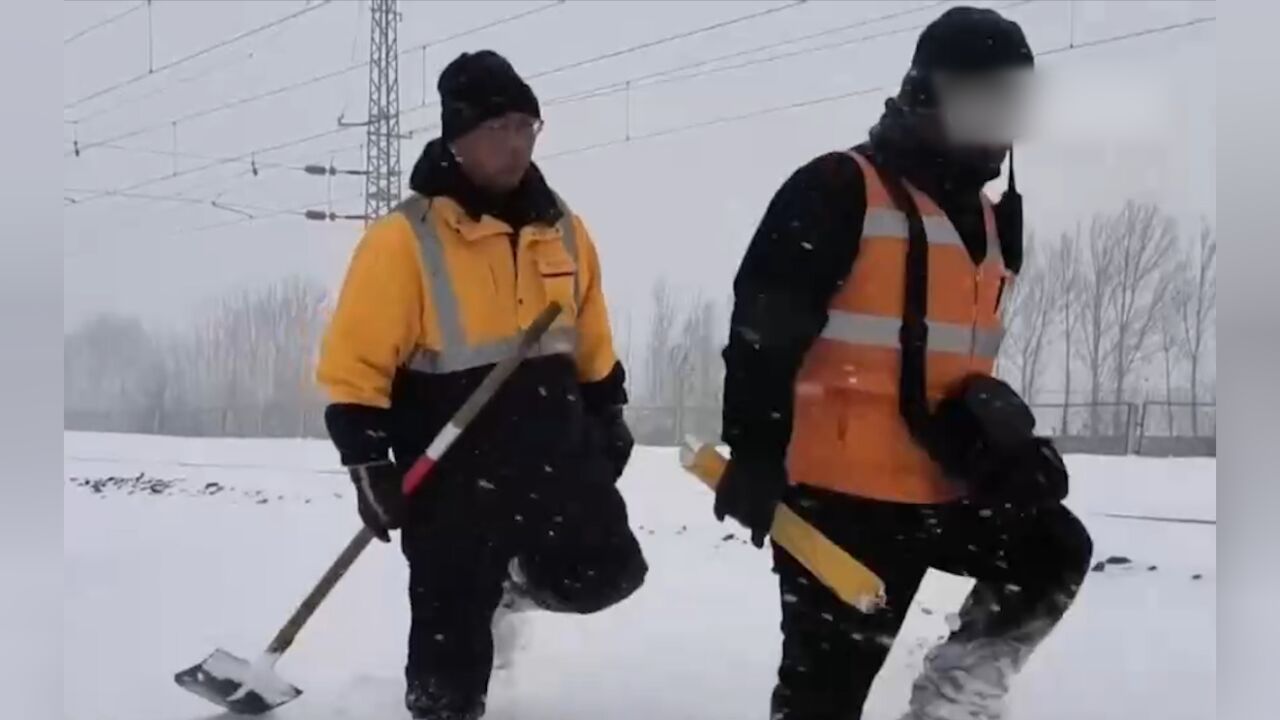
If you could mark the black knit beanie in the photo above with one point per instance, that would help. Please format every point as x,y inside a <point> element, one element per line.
<point>480,86</point>
<point>963,41</point>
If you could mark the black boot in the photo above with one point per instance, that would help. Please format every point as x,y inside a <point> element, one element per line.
<point>426,702</point>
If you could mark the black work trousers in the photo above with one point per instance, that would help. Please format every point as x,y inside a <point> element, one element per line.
<point>1028,565</point>
<point>574,546</point>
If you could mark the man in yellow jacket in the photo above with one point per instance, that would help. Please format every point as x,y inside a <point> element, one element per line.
<point>523,510</point>
<point>858,390</point>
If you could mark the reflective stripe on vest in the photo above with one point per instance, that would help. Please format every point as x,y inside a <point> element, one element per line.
<point>456,353</point>
<point>881,331</point>
<point>887,222</point>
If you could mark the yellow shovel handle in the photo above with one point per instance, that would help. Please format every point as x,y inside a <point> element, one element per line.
<point>849,579</point>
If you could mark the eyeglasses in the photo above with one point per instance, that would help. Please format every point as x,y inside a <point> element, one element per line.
<point>514,124</point>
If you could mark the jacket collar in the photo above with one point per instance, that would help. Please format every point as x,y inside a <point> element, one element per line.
<point>470,228</point>
<point>896,145</point>
<point>475,212</point>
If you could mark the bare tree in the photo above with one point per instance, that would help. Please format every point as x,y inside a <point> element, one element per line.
<point>623,347</point>
<point>113,375</point>
<point>1065,283</point>
<point>701,371</point>
<point>1195,305</point>
<point>1145,240</point>
<point>662,327</point>
<point>1029,314</point>
<point>250,362</point>
<point>1124,287</point>
<point>1098,286</point>
<point>1171,350</point>
<point>684,368</point>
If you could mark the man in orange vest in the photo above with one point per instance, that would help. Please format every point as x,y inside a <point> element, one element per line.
<point>858,390</point>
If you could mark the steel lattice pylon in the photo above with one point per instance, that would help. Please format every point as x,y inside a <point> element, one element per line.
<point>382,160</point>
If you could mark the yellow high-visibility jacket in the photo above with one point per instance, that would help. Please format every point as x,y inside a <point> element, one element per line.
<point>390,317</point>
<point>433,298</point>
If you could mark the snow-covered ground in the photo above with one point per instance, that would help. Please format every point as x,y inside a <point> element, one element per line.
<point>159,573</point>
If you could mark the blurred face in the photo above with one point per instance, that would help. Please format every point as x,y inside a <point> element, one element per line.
<point>498,152</point>
<point>980,117</point>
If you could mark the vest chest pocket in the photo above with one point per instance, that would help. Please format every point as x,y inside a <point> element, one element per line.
<point>558,274</point>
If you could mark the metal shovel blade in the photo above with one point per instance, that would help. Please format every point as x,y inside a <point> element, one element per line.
<point>236,684</point>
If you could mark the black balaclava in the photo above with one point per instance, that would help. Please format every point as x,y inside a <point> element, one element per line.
<point>962,42</point>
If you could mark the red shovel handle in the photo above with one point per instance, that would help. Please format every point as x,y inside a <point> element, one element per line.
<point>413,479</point>
<point>477,400</point>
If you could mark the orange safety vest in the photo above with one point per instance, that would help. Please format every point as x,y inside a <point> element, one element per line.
<point>847,433</point>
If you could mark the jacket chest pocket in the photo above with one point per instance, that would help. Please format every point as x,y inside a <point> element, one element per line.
<point>557,275</point>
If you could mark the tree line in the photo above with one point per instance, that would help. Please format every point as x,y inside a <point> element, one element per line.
<point>1118,311</point>
<point>244,369</point>
<point>1121,311</point>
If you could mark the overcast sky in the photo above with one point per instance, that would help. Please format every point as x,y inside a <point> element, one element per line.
<point>1133,118</point>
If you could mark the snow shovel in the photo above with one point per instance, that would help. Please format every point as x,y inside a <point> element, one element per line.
<point>850,580</point>
<point>254,688</point>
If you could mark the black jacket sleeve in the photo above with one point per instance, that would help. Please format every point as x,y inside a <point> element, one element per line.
<point>802,250</point>
<point>359,432</point>
<point>606,394</point>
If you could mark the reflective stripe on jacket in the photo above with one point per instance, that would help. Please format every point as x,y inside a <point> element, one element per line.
<point>847,432</point>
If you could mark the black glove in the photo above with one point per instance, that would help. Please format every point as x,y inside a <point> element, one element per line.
<point>614,438</point>
<point>379,497</point>
<point>1040,476</point>
<point>749,492</point>
<point>983,434</point>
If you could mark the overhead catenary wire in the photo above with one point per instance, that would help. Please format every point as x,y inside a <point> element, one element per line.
<point>716,121</point>
<point>579,63</point>
<point>206,112</point>
<point>206,202</point>
<point>218,163</point>
<point>1077,45</point>
<point>315,169</point>
<point>669,76</point>
<point>151,72</point>
<point>251,161</point>
<point>250,158</point>
<point>224,185</point>
<point>1071,47</point>
<point>127,102</point>
<point>265,214</point>
<point>297,210</point>
<point>684,35</point>
<point>628,84</point>
<point>313,80</point>
<point>218,187</point>
<point>640,80</point>
<point>103,23</point>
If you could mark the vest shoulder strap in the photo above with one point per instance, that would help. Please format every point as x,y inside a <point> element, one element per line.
<point>914,333</point>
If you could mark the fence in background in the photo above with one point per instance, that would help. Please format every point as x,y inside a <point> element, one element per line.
<point>268,421</point>
<point>1153,428</point>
